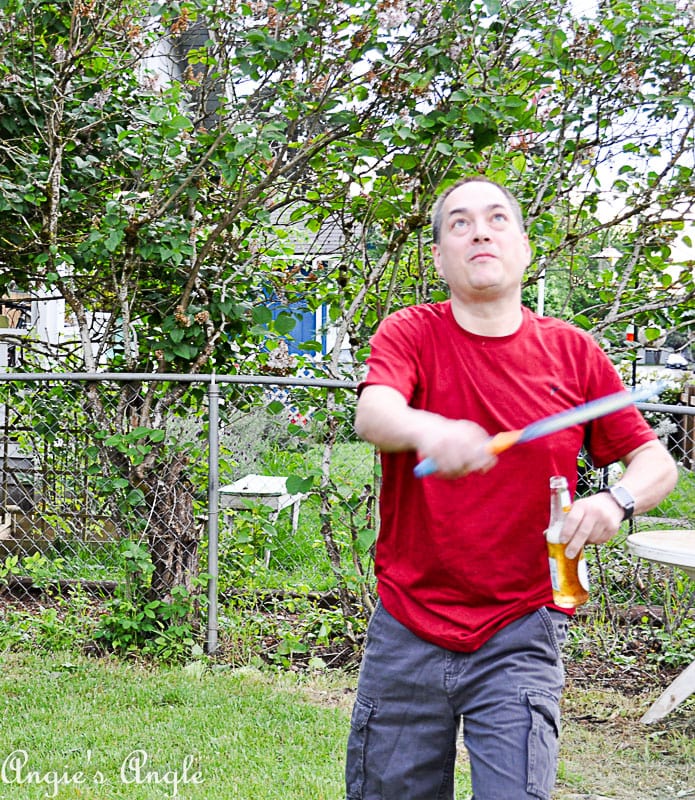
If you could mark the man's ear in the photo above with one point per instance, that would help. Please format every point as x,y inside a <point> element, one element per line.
<point>436,259</point>
<point>529,251</point>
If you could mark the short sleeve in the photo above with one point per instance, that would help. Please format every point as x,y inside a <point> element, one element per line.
<point>394,354</point>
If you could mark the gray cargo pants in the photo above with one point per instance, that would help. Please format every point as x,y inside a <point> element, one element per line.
<point>412,696</point>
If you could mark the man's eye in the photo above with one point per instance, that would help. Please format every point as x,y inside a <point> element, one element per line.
<point>460,223</point>
<point>500,217</point>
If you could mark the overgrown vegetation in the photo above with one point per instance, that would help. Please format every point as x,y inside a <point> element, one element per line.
<point>279,598</point>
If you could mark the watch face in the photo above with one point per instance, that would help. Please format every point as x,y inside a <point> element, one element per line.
<point>624,499</point>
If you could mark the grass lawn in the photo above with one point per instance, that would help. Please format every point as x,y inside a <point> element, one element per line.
<point>114,730</point>
<point>74,727</point>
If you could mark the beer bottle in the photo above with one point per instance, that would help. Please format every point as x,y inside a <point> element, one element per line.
<point>569,576</point>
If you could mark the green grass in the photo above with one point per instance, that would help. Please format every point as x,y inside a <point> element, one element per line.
<point>224,734</point>
<point>244,737</point>
<point>246,734</point>
<point>680,504</point>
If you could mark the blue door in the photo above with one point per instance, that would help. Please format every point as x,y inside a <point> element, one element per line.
<point>305,325</point>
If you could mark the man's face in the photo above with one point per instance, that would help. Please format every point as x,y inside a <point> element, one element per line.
<point>482,252</point>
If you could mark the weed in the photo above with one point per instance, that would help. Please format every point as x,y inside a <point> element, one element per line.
<point>67,623</point>
<point>134,623</point>
<point>674,649</point>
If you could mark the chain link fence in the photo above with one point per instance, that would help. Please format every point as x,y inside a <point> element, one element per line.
<point>249,497</point>
<point>147,491</point>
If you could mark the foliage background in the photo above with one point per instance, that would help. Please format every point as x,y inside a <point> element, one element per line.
<point>169,170</point>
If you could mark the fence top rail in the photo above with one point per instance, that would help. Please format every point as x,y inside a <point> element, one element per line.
<point>664,408</point>
<point>164,377</point>
<point>260,380</point>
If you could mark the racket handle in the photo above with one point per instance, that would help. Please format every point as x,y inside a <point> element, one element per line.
<point>502,441</point>
<point>427,466</point>
<point>495,445</point>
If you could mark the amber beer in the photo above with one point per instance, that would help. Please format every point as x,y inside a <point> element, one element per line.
<point>569,576</point>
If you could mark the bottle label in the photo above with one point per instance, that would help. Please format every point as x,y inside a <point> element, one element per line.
<point>554,575</point>
<point>552,534</point>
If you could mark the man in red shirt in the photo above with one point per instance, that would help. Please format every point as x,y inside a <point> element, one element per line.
<point>465,630</point>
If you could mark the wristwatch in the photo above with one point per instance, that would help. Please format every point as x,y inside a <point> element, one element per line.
<point>623,498</point>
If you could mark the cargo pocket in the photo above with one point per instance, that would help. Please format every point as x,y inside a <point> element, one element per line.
<point>543,743</point>
<point>356,748</point>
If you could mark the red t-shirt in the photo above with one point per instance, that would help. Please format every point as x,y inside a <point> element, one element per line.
<point>456,560</point>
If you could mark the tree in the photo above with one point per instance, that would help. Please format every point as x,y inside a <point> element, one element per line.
<point>146,153</point>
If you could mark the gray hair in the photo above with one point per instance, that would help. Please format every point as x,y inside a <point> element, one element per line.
<point>438,208</point>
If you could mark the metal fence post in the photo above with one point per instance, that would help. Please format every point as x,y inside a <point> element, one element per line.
<point>213,512</point>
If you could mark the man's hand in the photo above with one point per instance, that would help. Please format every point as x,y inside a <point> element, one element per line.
<point>649,476</point>
<point>457,447</point>
<point>591,520</point>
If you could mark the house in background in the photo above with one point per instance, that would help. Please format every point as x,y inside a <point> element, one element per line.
<point>311,255</point>
<point>15,312</point>
<point>43,318</point>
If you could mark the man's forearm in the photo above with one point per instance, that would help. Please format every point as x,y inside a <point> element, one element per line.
<point>649,476</point>
<point>457,447</point>
<point>386,420</point>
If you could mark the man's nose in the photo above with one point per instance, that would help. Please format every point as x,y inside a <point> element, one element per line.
<point>481,232</point>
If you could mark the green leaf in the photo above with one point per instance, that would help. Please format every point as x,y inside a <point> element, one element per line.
<point>519,162</point>
<point>298,485</point>
<point>185,351</point>
<point>262,315</point>
<point>158,113</point>
<point>405,161</point>
<point>284,323</point>
<point>311,346</point>
<point>180,123</point>
<point>135,498</point>
<point>113,240</point>
<point>365,539</point>
<point>557,42</point>
<point>474,114</point>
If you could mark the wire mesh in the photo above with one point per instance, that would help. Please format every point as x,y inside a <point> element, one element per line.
<point>107,477</point>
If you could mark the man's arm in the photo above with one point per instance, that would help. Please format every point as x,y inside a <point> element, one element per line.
<point>385,419</point>
<point>649,476</point>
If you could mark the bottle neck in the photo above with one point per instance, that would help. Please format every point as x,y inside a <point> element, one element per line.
<point>560,504</point>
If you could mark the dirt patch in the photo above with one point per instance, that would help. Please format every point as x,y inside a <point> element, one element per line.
<point>606,752</point>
